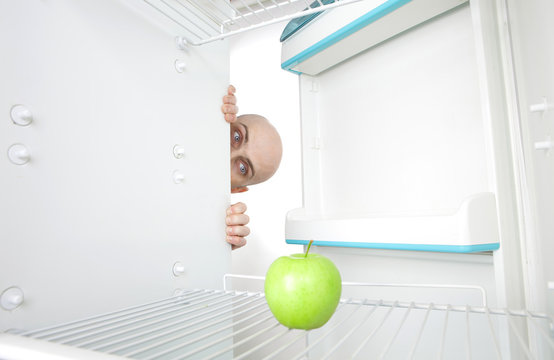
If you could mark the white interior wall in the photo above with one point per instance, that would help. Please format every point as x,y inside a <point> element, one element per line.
<point>264,88</point>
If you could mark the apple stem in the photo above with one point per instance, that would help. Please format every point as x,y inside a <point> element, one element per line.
<point>308,249</point>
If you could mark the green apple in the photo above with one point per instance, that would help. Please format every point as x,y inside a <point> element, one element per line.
<point>303,290</point>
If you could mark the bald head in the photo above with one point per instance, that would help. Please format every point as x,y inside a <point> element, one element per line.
<point>256,150</point>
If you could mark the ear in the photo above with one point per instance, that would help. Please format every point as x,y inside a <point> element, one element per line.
<point>239,189</point>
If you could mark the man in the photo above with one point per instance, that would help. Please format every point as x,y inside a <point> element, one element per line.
<point>256,151</point>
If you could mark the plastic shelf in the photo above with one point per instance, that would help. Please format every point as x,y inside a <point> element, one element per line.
<point>471,228</point>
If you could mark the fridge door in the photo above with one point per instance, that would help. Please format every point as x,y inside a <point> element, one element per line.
<point>115,166</point>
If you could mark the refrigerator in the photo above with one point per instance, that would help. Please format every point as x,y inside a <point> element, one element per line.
<point>427,177</point>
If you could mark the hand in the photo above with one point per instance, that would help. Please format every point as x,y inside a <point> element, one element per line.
<point>236,221</point>
<point>229,107</point>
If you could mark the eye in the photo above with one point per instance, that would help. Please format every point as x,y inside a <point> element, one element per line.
<point>236,136</point>
<point>242,168</point>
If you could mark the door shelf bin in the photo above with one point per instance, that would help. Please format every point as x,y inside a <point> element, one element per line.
<point>473,227</point>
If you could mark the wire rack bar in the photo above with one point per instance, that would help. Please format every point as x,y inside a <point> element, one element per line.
<point>205,21</point>
<point>147,328</point>
<point>228,18</point>
<point>420,332</point>
<point>230,336</point>
<point>479,289</point>
<point>545,336</point>
<point>519,337</point>
<point>468,335</point>
<point>223,328</point>
<point>39,333</point>
<point>328,332</point>
<point>217,22</point>
<point>136,339</point>
<point>387,347</point>
<point>264,343</point>
<point>349,333</point>
<point>443,337</point>
<point>194,20</point>
<point>493,334</point>
<point>247,339</point>
<point>285,346</point>
<point>163,313</point>
<point>209,324</point>
<point>371,334</point>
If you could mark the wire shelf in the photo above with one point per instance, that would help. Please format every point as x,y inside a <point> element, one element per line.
<point>204,21</point>
<point>209,324</point>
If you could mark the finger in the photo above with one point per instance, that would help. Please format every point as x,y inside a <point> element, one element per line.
<point>230,99</point>
<point>229,109</point>
<point>238,230</point>
<point>237,208</point>
<point>230,118</point>
<point>236,241</point>
<point>237,219</point>
<point>231,90</point>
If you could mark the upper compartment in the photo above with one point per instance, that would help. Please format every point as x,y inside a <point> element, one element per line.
<point>342,33</point>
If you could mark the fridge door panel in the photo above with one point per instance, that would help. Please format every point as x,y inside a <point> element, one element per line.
<point>125,172</point>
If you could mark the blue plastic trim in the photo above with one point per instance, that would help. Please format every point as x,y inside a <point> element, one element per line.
<point>361,22</point>
<point>414,247</point>
<point>298,23</point>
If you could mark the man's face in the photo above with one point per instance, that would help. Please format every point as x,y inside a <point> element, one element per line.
<point>255,150</point>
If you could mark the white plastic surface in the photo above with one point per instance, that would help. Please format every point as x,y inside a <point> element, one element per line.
<point>95,217</point>
<point>334,21</point>
<point>474,223</point>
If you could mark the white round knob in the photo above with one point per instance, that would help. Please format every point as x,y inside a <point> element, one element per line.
<point>178,177</point>
<point>178,269</point>
<point>181,42</point>
<point>21,115</point>
<point>180,66</point>
<point>18,154</point>
<point>179,151</point>
<point>11,298</point>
